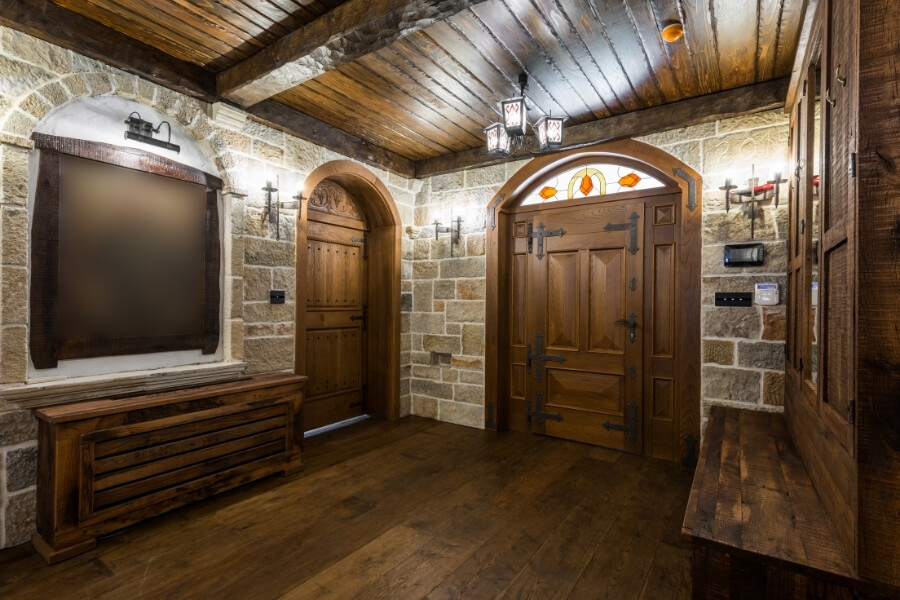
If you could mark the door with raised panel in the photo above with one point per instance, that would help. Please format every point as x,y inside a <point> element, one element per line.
<point>336,308</point>
<point>592,323</point>
<point>583,323</point>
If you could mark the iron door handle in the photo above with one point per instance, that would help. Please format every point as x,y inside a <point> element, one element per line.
<point>364,317</point>
<point>632,324</point>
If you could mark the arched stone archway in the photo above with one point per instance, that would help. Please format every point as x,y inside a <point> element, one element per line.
<point>34,107</point>
<point>654,161</point>
<point>19,122</point>
<point>384,243</point>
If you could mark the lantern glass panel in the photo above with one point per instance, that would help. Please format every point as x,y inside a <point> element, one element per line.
<point>554,132</point>
<point>513,110</point>
<point>541,128</point>
<point>503,141</point>
<point>491,135</point>
<point>496,139</point>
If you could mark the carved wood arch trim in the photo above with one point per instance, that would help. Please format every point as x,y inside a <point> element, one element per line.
<point>330,197</point>
<point>330,189</point>
<point>653,161</point>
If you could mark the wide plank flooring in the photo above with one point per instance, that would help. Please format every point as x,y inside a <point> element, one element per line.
<point>410,509</point>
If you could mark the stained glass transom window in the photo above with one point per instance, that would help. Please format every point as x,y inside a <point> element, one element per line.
<point>596,179</point>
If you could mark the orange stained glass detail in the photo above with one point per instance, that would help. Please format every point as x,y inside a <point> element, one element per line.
<point>586,185</point>
<point>548,192</point>
<point>630,180</point>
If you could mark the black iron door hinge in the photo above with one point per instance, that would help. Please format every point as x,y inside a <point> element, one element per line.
<point>630,426</point>
<point>632,225</point>
<point>692,187</point>
<point>538,414</point>
<point>539,234</point>
<point>540,358</point>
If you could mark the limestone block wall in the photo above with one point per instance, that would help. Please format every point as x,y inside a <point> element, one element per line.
<point>447,303</point>
<point>35,78</point>
<point>742,348</point>
<point>443,284</point>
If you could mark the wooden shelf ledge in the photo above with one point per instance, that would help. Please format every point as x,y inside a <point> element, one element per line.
<point>753,503</point>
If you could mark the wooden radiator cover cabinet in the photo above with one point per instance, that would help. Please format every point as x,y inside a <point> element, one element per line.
<point>106,464</point>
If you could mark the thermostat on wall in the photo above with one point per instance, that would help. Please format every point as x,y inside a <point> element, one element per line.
<point>766,294</point>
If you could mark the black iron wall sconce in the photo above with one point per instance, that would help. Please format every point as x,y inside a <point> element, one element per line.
<point>752,195</point>
<point>142,131</point>
<point>453,229</point>
<point>269,190</point>
<point>273,207</point>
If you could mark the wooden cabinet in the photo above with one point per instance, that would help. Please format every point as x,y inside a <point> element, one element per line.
<point>843,368</point>
<point>106,464</point>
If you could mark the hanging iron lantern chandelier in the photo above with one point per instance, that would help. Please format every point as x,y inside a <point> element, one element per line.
<point>509,136</point>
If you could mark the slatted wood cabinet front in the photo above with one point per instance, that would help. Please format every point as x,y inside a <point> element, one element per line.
<point>106,464</point>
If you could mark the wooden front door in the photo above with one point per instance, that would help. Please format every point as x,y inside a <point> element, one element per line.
<point>592,342</point>
<point>336,310</point>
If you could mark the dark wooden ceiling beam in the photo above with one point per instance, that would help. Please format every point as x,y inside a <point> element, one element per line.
<point>693,111</point>
<point>303,126</point>
<point>47,21</point>
<point>348,32</point>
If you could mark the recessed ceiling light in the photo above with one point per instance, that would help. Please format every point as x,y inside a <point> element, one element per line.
<point>672,32</point>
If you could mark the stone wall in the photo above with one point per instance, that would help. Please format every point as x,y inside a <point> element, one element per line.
<point>742,348</point>
<point>442,335</point>
<point>35,78</point>
<point>447,304</point>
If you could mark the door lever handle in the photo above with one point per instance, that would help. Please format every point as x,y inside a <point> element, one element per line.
<point>364,317</point>
<point>632,324</point>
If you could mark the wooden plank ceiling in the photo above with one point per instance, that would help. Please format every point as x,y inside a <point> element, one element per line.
<point>417,80</point>
<point>215,34</point>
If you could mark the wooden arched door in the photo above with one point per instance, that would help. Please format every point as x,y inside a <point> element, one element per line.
<point>336,297</point>
<point>592,328</point>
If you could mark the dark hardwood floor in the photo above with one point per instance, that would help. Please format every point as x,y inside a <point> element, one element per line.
<point>410,509</point>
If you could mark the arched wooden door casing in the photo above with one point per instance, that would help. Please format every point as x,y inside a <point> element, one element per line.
<point>336,298</point>
<point>382,265</point>
<point>661,292</point>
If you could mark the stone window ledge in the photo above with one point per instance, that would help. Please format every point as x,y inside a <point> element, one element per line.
<point>39,393</point>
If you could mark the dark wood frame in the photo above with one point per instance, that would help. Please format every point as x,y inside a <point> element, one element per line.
<point>852,454</point>
<point>44,343</point>
<point>374,200</point>
<point>651,160</point>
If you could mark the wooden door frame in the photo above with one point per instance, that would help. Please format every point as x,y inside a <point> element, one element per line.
<point>654,162</point>
<point>377,204</point>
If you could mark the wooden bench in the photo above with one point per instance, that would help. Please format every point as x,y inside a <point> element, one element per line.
<point>757,526</point>
<point>105,464</point>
